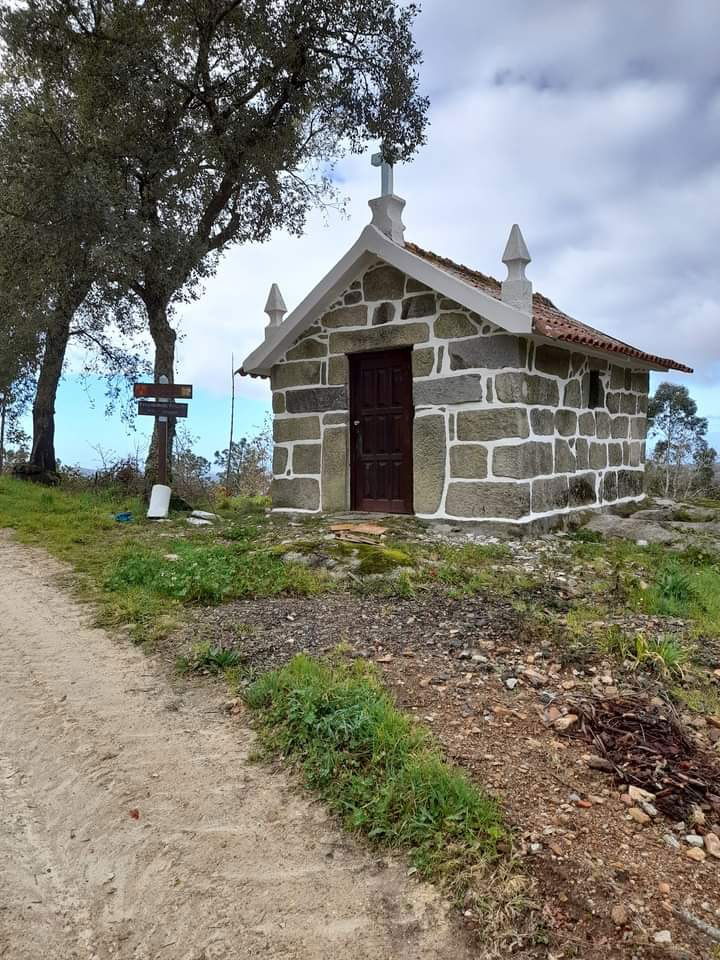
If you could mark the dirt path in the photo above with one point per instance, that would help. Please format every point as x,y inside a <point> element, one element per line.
<point>225,859</point>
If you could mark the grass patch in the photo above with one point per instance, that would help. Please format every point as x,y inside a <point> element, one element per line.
<point>206,658</point>
<point>586,536</point>
<point>478,568</point>
<point>686,590</point>
<point>376,768</point>
<point>703,698</point>
<point>664,654</point>
<point>141,574</point>
<point>210,573</point>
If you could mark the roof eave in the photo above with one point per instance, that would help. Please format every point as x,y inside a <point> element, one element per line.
<point>370,244</point>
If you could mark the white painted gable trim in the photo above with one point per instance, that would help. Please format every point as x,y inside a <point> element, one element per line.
<point>372,244</point>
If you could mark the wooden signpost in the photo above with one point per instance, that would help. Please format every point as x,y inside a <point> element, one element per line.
<point>162,408</point>
<point>156,400</point>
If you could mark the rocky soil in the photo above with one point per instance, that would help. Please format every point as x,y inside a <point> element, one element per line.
<point>615,877</point>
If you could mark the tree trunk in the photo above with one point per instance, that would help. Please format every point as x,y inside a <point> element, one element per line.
<point>42,463</point>
<point>3,408</point>
<point>42,455</point>
<point>156,304</point>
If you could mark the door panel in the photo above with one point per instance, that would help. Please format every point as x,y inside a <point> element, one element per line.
<point>381,417</point>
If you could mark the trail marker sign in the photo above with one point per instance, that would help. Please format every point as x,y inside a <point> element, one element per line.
<point>156,400</point>
<point>161,408</point>
<point>163,391</point>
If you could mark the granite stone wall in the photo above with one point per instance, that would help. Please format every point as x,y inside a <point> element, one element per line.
<point>502,431</point>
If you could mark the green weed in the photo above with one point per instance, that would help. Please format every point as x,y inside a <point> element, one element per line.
<point>664,654</point>
<point>205,657</point>
<point>382,773</point>
<point>674,586</point>
<point>586,536</point>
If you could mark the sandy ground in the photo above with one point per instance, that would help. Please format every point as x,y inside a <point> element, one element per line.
<point>132,824</point>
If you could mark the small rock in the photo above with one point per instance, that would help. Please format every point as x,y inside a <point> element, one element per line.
<point>599,763</point>
<point>199,522</point>
<point>619,915</point>
<point>565,723</point>
<point>664,888</point>
<point>534,677</point>
<point>204,515</point>
<point>712,845</point>
<point>694,853</point>
<point>648,808</point>
<point>694,840</point>
<point>637,793</point>
<point>662,936</point>
<point>638,816</point>
<point>698,817</point>
<point>511,683</point>
<point>671,842</point>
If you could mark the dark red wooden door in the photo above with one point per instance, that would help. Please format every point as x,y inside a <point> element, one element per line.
<point>381,417</point>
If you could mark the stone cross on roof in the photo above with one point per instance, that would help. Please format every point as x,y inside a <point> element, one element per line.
<point>386,174</point>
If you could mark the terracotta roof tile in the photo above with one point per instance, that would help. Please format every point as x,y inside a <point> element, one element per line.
<point>548,321</point>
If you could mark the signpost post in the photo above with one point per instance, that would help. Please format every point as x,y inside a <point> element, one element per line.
<point>157,400</point>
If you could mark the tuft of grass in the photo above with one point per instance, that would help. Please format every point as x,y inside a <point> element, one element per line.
<point>674,587</point>
<point>375,767</point>
<point>664,654</point>
<point>586,536</point>
<point>205,657</point>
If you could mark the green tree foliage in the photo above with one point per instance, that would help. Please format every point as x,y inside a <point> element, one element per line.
<point>681,450</point>
<point>248,471</point>
<point>216,121</point>
<point>53,217</point>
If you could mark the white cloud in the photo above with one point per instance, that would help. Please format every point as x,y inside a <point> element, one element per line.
<point>593,124</point>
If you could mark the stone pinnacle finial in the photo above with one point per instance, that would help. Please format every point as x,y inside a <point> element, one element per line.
<point>275,307</point>
<point>387,208</point>
<point>516,290</point>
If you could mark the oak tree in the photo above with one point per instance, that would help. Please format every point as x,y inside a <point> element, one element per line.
<point>217,121</point>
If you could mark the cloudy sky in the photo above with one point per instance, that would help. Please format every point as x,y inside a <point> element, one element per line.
<point>594,124</point>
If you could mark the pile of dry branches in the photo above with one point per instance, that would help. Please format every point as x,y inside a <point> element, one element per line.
<point>649,748</point>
